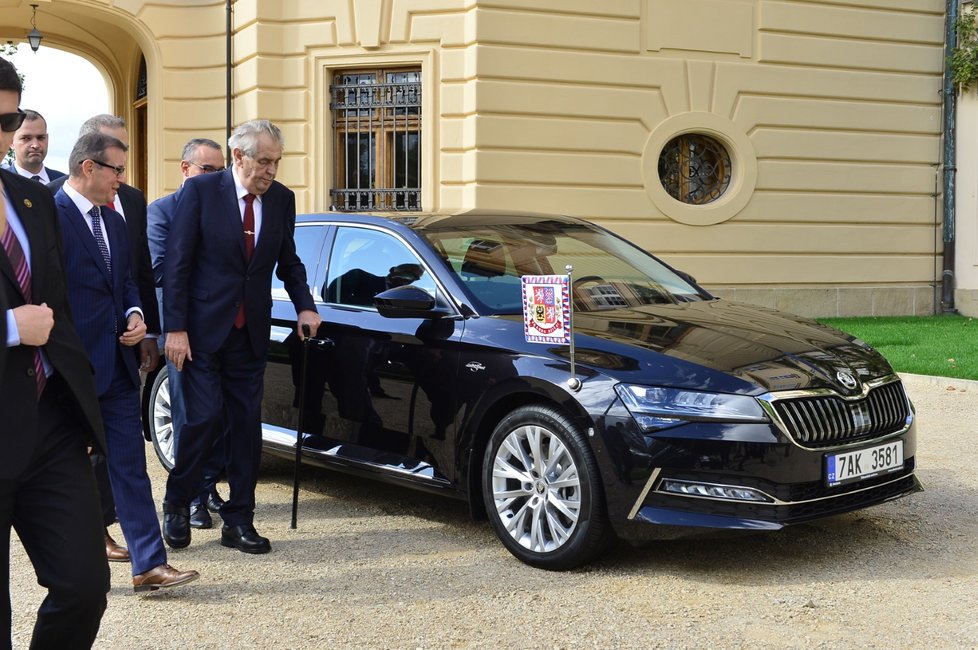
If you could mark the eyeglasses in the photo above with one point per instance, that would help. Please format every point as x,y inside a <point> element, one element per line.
<point>119,171</point>
<point>207,169</point>
<point>10,122</point>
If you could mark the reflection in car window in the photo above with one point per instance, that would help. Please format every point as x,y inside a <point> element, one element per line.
<point>609,273</point>
<point>365,262</point>
<point>309,248</point>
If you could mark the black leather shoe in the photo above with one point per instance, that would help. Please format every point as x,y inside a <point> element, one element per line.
<point>199,517</point>
<point>244,538</point>
<point>214,502</point>
<point>176,526</point>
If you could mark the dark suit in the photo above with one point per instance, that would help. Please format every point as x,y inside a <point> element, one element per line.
<point>100,298</point>
<point>134,205</point>
<point>205,280</point>
<point>47,491</point>
<point>53,174</point>
<point>159,218</point>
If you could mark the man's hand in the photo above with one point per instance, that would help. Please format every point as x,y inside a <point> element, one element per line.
<point>34,323</point>
<point>149,355</point>
<point>177,348</point>
<point>135,330</point>
<point>310,318</point>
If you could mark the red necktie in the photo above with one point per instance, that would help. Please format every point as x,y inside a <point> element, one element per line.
<point>249,233</point>
<point>15,254</point>
<point>111,205</point>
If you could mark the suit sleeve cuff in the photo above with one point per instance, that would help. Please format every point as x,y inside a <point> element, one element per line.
<point>13,334</point>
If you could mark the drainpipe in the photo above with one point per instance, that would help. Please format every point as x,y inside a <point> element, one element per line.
<point>227,78</point>
<point>950,158</point>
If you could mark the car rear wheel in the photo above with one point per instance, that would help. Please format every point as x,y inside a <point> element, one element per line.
<point>542,490</point>
<point>161,421</point>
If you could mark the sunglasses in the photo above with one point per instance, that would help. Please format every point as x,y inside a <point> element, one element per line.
<point>10,122</point>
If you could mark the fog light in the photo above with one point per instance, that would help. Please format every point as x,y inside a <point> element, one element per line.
<point>713,491</point>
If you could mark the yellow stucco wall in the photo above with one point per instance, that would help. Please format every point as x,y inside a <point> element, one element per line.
<point>831,112</point>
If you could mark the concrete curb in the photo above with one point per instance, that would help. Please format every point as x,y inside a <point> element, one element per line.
<point>970,384</point>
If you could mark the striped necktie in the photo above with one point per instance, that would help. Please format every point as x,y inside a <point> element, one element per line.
<point>15,254</point>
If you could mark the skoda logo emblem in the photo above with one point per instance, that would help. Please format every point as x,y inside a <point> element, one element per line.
<point>847,380</point>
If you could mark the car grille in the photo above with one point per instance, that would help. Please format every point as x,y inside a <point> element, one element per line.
<point>828,420</point>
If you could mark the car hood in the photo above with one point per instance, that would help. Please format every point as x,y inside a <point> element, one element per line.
<point>770,350</point>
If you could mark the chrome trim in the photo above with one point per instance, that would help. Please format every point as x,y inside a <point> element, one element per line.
<point>829,392</point>
<point>645,492</point>
<point>284,440</point>
<point>767,401</point>
<point>774,500</point>
<point>278,334</point>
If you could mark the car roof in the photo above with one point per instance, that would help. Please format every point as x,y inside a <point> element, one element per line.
<point>443,219</point>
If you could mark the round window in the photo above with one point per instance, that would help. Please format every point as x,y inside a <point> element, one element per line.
<point>694,168</point>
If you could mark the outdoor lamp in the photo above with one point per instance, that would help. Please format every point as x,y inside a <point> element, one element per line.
<point>34,37</point>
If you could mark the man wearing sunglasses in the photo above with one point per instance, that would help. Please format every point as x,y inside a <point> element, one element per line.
<point>50,414</point>
<point>200,156</point>
<point>31,148</point>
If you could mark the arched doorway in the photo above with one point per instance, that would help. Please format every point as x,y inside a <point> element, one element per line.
<point>115,42</point>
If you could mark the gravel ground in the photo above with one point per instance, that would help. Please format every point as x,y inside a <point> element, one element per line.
<point>376,566</point>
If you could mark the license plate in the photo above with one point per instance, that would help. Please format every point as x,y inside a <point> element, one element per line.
<point>863,463</point>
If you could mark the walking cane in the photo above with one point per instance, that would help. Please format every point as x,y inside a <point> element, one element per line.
<point>306,339</point>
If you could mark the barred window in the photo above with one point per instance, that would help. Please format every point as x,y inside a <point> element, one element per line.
<point>377,140</point>
<point>694,169</point>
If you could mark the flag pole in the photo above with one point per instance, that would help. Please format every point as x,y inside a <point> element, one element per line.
<point>573,383</point>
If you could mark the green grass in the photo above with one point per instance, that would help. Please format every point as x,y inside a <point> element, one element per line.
<point>944,346</point>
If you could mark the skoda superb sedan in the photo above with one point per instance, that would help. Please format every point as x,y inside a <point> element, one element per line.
<point>677,412</point>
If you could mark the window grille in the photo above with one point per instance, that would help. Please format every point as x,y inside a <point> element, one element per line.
<point>377,146</point>
<point>694,169</point>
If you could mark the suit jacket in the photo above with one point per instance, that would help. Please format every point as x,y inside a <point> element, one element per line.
<point>159,217</point>
<point>134,205</point>
<point>99,299</point>
<point>64,349</point>
<point>205,276</point>
<point>53,174</point>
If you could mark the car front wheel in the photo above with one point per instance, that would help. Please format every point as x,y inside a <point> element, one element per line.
<point>542,490</point>
<point>161,421</point>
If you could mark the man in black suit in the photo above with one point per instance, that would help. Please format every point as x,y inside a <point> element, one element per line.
<point>200,156</point>
<point>31,148</point>
<point>131,204</point>
<point>229,232</point>
<point>50,415</point>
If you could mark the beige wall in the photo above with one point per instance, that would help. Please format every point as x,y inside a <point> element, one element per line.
<point>831,112</point>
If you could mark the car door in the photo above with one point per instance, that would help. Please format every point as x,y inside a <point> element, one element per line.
<point>382,393</point>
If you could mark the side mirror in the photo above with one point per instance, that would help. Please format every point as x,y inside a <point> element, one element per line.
<point>686,276</point>
<point>407,302</point>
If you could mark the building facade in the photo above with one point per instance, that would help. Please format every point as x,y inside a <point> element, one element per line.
<point>784,153</point>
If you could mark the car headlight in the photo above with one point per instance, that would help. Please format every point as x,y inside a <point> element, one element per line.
<point>657,407</point>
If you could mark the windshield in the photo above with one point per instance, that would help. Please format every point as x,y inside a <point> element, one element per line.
<point>609,273</point>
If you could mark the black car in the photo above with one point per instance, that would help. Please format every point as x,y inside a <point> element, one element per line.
<point>684,412</point>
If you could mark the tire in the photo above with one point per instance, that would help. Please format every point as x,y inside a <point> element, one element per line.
<point>160,422</point>
<point>545,522</point>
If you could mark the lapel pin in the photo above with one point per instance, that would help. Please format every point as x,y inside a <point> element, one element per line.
<point>27,202</point>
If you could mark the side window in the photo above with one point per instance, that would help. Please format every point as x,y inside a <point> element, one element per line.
<point>366,262</point>
<point>309,248</point>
